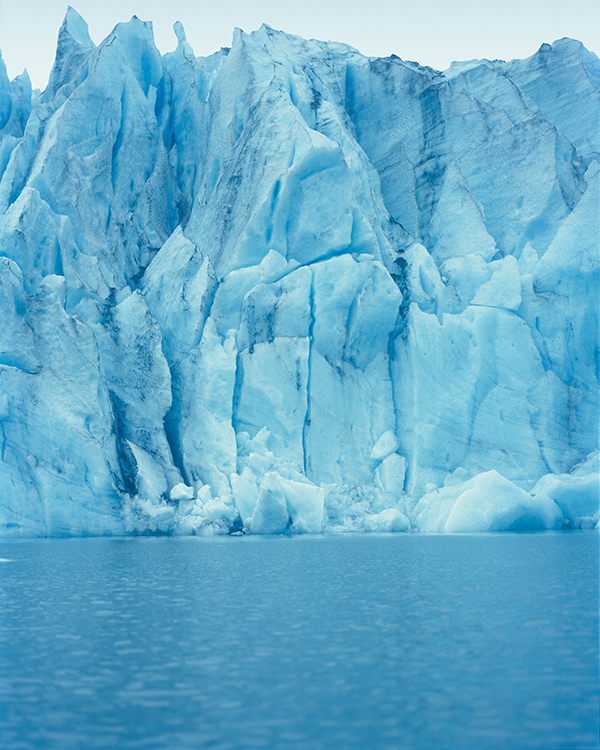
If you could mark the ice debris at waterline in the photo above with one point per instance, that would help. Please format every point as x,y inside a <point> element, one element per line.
<point>291,288</point>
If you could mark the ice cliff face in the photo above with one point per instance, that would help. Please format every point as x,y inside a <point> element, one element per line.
<point>291,287</point>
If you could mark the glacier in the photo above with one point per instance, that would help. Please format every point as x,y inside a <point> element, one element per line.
<point>287,288</point>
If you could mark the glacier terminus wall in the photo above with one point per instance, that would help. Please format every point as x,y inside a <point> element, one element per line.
<point>290,288</point>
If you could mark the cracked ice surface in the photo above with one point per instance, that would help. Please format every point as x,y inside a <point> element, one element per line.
<point>288,288</point>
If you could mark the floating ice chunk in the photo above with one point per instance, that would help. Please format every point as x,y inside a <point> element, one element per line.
<point>390,519</point>
<point>578,496</point>
<point>488,502</point>
<point>386,444</point>
<point>215,509</point>
<point>271,514</point>
<point>182,492</point>
<point>305,505</point>
<point>495,504</point>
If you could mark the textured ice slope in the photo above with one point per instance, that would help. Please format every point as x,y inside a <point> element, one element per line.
<point>289,287</point>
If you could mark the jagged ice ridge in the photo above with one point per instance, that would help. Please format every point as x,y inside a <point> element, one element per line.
<point>291,288</point>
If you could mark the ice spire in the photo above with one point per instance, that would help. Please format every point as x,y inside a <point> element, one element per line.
<point>74,43</point>
<point>74,28</point>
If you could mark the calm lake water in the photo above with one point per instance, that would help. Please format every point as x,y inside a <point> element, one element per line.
<point>399,641</point>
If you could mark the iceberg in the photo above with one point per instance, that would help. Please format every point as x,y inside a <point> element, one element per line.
<point>288,288</point>
<point>576,494</point>
<point>488,502</point>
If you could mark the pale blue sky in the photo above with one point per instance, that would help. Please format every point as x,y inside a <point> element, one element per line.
<point>433,32</point>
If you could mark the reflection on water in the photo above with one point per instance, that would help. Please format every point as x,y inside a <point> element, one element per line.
<point>405,641</point>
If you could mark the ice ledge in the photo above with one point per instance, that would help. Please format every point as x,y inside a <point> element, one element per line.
<point>271,497</point>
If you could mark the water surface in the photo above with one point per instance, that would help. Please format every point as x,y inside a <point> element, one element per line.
<point>399,641</point>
